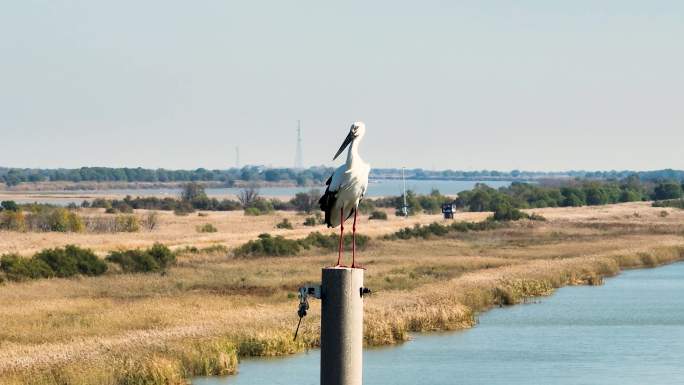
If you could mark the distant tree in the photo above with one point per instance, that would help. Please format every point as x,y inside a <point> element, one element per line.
<point>629,195</point>
<point>248,196</point>
<point>193,192</point>
<point>503,211</point>
<point>595,196</point>
<point>306,201</point>
<point>667,190</point>
<point>480,199</point>
<point>151,220</point>
<point>250,174</point>
<point>9,205</point>
<point>412,203</point>
<point>13,177</point>
<point>573,197</point>
<point>432,203</point>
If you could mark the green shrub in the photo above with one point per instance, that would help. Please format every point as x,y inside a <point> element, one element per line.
<point>266,245</point>
<point>101,203</point>
<point>213,249</point>
<point>381,215</point>
<point>193,195</point>
<point>12,220</point>
<point>9,206</point>
<point>366,206</point>
<point>412,204</point>
<point>676,203</point>
<point>127,223</point>
<point>432,203</point>
<point>330,242</point>
<point>72,260</point>
<point>537,217</point>
<point>306,201</point>
<point>54,219</point>
<point>162,254</point>
<point>316,239</point>
<point>316,219</point>
<point>464,227</point>
<point>418,231</point>
<point>506,212</point>
<point>63,220</point>
<point>183,209</point>
<point>252,211</point>
<point>156,258</point>
<point>260,206</point>
<point>285,224</point>
<point>17,268</point>
<point>134,261</point>
<point>206,228</point>
<point>437,230</point>
<point>59,262</point>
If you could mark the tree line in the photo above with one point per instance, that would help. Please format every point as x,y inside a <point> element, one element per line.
<point>309,176</point>
<point>522,175</point>
<point>580,193</point>
<point>313,175</point>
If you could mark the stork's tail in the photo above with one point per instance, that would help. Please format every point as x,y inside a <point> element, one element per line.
<point>327,202</point>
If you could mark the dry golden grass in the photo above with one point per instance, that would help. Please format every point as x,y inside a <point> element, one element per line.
<point>234,228</point>
<point>210,309</point>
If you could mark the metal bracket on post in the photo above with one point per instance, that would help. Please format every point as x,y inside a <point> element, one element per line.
<point>304,293</point>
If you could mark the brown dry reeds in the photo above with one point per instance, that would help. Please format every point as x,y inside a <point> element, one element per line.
<point>211,308</point>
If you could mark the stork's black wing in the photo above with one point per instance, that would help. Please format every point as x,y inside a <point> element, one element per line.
<point>327,201</point>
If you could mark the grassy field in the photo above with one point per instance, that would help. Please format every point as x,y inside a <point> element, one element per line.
<point>211,309</point>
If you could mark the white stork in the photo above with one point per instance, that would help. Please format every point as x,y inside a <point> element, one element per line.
<point>346,187</point>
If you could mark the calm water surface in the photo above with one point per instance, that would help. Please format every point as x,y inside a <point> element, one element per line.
<point>377,188</point>
<point>629,331</point>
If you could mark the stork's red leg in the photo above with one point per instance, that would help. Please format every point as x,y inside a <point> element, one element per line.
<point>341,246</point>
<point>354,240</point>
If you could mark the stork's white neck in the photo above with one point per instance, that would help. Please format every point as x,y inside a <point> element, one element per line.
<point>353,153</point>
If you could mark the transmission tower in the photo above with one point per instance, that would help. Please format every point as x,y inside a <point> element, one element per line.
<point>299,162</point>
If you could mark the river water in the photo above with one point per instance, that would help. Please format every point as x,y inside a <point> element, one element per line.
<point>629,331</point>
<point>384,187</point>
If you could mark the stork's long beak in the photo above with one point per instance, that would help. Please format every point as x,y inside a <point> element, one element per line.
<point>344,145</point>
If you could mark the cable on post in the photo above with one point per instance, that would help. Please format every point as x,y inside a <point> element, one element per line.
<point>304,293</point>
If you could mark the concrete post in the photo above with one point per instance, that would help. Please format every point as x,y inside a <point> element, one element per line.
<point>341,326</point>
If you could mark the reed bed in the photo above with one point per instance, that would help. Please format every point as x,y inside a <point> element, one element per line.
<point>211,309</point>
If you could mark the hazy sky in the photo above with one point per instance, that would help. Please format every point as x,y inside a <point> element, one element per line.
<point>542,85</point>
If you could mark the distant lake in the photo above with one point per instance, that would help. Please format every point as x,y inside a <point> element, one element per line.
<point>382,187</point>
<point>628,332</point>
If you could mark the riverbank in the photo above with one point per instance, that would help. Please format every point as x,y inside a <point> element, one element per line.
<point>211,309</point>
<point>627,331</point>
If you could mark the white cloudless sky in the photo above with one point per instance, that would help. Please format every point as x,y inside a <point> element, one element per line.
<point>536,85</point>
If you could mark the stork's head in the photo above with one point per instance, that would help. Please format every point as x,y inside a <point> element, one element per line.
<point>357,130</point>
